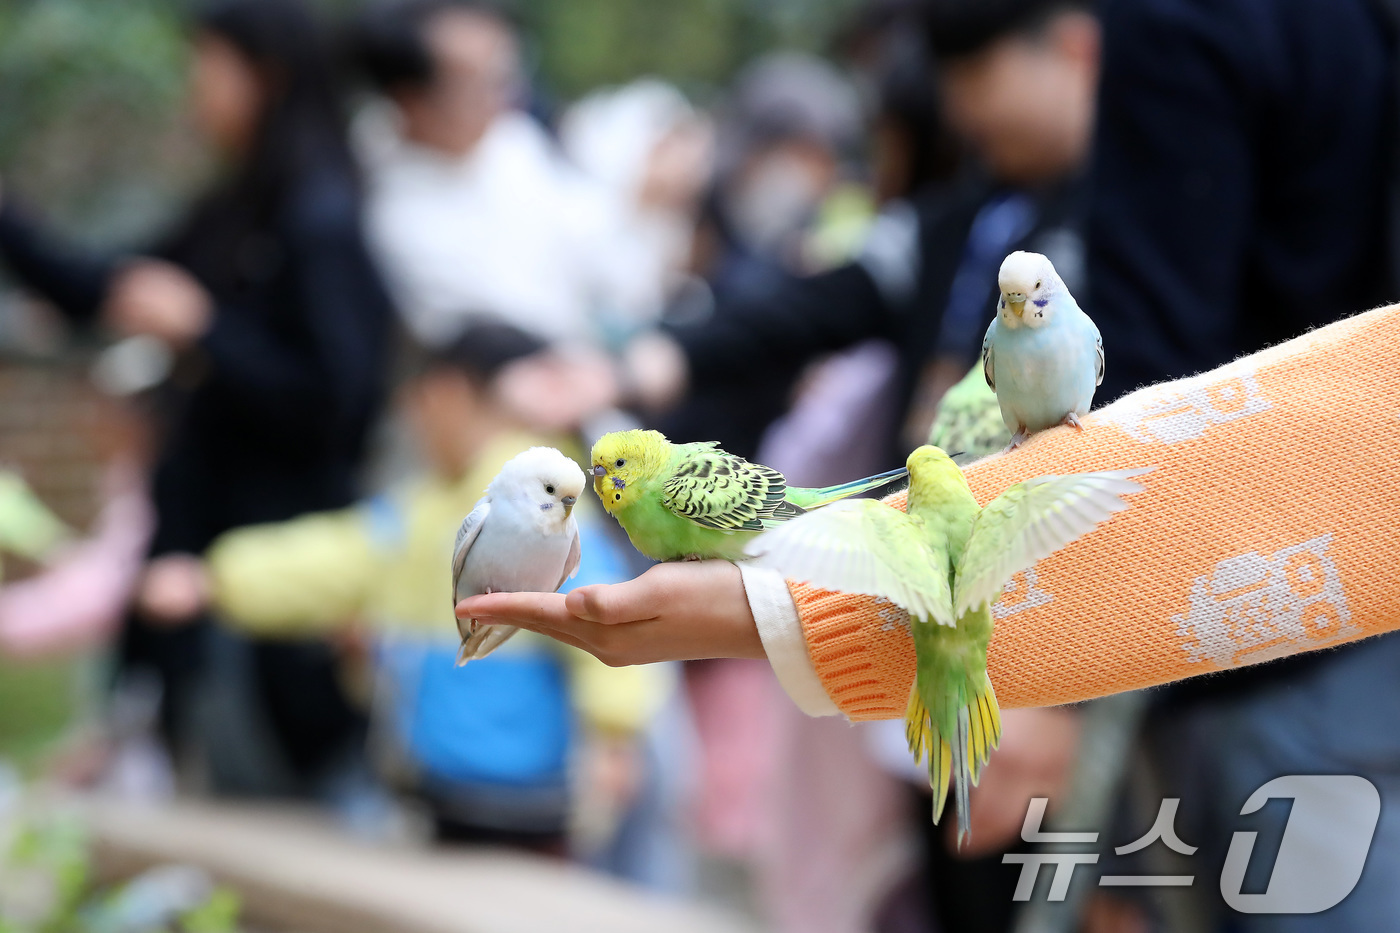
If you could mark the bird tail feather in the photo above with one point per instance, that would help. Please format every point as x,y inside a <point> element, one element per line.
<point>815,498</point>
<point>959,757</point>
<point>483,640</point>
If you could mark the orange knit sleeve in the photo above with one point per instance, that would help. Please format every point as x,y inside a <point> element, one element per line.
<point>1269,527</point>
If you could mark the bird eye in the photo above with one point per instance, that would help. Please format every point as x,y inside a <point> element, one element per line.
<point>1037,284</point>
<point>620,461</point>
<point>549,489</point>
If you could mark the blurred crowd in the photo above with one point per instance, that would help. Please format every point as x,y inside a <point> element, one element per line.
<point>407,269</point>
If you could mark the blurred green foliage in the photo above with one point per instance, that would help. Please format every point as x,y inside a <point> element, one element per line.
<point>47,882</point>
<point>91,90</point>
<point>698,44</point>
<point>89,100</point>
<point>39,701</point>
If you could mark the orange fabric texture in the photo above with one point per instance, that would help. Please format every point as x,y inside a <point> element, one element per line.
<point>1269,526</point>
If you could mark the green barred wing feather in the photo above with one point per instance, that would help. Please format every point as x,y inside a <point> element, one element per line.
<point>969,420</point>
<point>728,493</point>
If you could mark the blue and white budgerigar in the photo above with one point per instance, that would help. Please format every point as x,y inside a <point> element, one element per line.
<point>520,537</point>
<point>1042,355</point>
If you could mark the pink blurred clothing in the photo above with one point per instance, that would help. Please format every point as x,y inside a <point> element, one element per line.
<point>79,600</point>
<point>840,836</point>
<point>735,705</point>
<point>804,801</point>
<point>839,427</point>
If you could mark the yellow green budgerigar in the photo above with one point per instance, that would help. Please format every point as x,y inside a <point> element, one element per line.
<point>969,422</point>
<point>686,501</point>
<point>945,562</point>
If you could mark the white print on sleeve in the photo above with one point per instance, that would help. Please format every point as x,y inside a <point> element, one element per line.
<point>1021,593</point>
<point>1184,410</point>
<point>1254,608</point>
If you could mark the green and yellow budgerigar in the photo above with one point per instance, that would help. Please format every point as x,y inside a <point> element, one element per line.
<point>945,562</point>
<point>969,422</point>
<point>685,501</point>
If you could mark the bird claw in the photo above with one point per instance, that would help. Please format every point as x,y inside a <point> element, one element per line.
<point>1017,439</point>
<point>1073,421</point>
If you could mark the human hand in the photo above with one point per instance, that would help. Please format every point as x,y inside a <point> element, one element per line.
<point>678,167</point>
<point>1106,913</point>
<point>656,370</point>
<point>158,299</point>
<point>173,591</point>
<point>673,612</point>
<point>555,392</point>
<point>611,769</point>
<point>1035,759</point>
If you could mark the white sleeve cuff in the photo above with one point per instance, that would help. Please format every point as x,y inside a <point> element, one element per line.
<point>781,632</point>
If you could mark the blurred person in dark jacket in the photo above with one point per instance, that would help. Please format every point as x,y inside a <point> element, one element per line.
<point>1242,171</point>
<point>279,327</point>
<point>786,131</point>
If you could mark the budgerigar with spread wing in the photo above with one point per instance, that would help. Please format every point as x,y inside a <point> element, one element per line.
<point>520,537</point>
<point>1042,355</point>
<point>687,501</point>
<point>945,562</point>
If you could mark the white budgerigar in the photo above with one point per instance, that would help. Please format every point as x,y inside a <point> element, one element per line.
<point>520,537</point>
<point>1042,355</point>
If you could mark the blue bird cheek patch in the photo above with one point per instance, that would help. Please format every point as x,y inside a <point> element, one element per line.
<point>1041,302</point>
<point>618,484</point>
<point>546,506</point>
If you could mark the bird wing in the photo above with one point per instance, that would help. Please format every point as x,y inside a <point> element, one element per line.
<point>1031,520</point>
<point>719,490</point>
<point>968,421</point>
<point>571,562</point>
<point>466,537</point>
<point>862,546</point>
<point>988,355</point>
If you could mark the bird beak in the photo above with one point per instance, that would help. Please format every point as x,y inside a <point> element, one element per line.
<point>1016,301</point>
<point>599,470</point>
<point>569,502</point>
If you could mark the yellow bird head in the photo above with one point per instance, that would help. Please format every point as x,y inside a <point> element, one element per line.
<point>931,469</point>
<point>622,460</point>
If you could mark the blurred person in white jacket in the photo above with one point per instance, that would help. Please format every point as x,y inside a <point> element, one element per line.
<point>471,204</point>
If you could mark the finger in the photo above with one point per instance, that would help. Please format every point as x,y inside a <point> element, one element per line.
<point>559,635</point>
<point>534,612</point>
<point>524,609</point>
<point>613,603</point>
<point>651,594</point>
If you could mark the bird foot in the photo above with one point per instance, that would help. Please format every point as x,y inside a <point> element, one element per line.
<point>690,557</point>
<point>1017,439</point>
<point>1073,421</point>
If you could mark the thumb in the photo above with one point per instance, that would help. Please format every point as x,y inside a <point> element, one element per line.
<point>609,603</point>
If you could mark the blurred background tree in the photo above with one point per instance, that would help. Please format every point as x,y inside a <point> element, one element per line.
<point>697,44</point>
<point>90,90</point>
<point>89,104</point>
